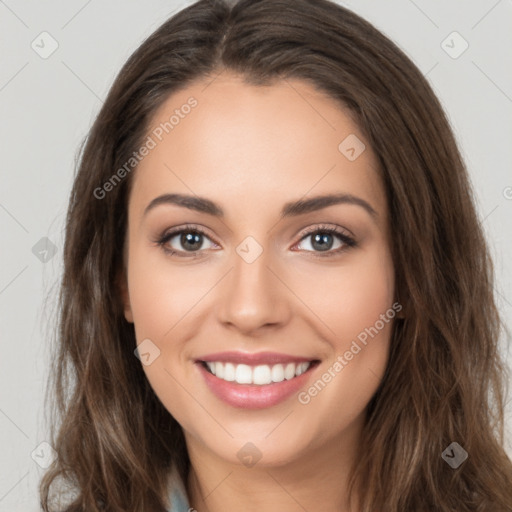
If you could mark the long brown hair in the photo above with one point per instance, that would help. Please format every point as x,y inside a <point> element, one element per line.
<point>445,381</point>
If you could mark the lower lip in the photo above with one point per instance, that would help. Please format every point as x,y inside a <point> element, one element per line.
<point>252,396</point>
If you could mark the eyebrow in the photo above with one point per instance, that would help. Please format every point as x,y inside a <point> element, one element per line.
<point>291,209</point>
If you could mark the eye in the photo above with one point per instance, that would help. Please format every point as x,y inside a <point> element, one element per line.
<point>322,240</point>
<point>190,238</point>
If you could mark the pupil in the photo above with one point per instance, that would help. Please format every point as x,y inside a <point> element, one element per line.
<point>191,238</point>
<point>321,240</point>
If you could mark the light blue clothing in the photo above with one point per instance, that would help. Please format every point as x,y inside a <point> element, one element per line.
<point>178,498</point>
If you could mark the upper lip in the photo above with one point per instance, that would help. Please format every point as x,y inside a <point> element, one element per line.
<point>253,359</point>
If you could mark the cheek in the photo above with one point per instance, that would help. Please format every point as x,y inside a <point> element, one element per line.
<point>352,297</point>
<point>356,304</point>
<point>160,298</point>
<point>162,294</point>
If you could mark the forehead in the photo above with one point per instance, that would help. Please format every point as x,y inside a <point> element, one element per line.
<point>228,140</point>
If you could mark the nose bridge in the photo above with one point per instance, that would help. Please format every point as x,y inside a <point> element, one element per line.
<point>252,295</point>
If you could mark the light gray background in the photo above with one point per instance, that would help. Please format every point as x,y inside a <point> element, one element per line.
<point>47,106</point>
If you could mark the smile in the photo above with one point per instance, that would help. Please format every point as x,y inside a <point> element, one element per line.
<point>257,380</point>
<point>259,375</point>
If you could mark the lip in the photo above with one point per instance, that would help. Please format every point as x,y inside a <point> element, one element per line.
<point>252,396</point>
<point>253,359</point>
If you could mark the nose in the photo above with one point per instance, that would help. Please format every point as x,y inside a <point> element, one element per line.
<point>253,297</point>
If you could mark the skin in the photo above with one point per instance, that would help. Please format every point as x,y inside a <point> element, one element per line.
<point>251,149</point>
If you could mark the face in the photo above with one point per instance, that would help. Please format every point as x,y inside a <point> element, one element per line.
<point>264,315</point>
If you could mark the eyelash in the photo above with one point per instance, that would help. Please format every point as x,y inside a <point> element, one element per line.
<point>348,241</point>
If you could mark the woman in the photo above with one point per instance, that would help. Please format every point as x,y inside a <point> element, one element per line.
<point>276,293</point>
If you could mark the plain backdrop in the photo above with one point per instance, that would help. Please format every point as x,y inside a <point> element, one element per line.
<point>48,103</point>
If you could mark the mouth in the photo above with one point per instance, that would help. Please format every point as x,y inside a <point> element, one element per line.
<point>255,381</point>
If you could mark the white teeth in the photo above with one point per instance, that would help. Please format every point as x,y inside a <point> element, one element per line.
<point>229,372</point>
<point>219,370</point>
<point>277,373</point>
<point>243,374</point>
<point>289,371</point>
<point>301,368</point>
<point>259,375</point>
<point>262,375</point>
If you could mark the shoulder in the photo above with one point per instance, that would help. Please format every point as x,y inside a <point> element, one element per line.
<point>177,494</point>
